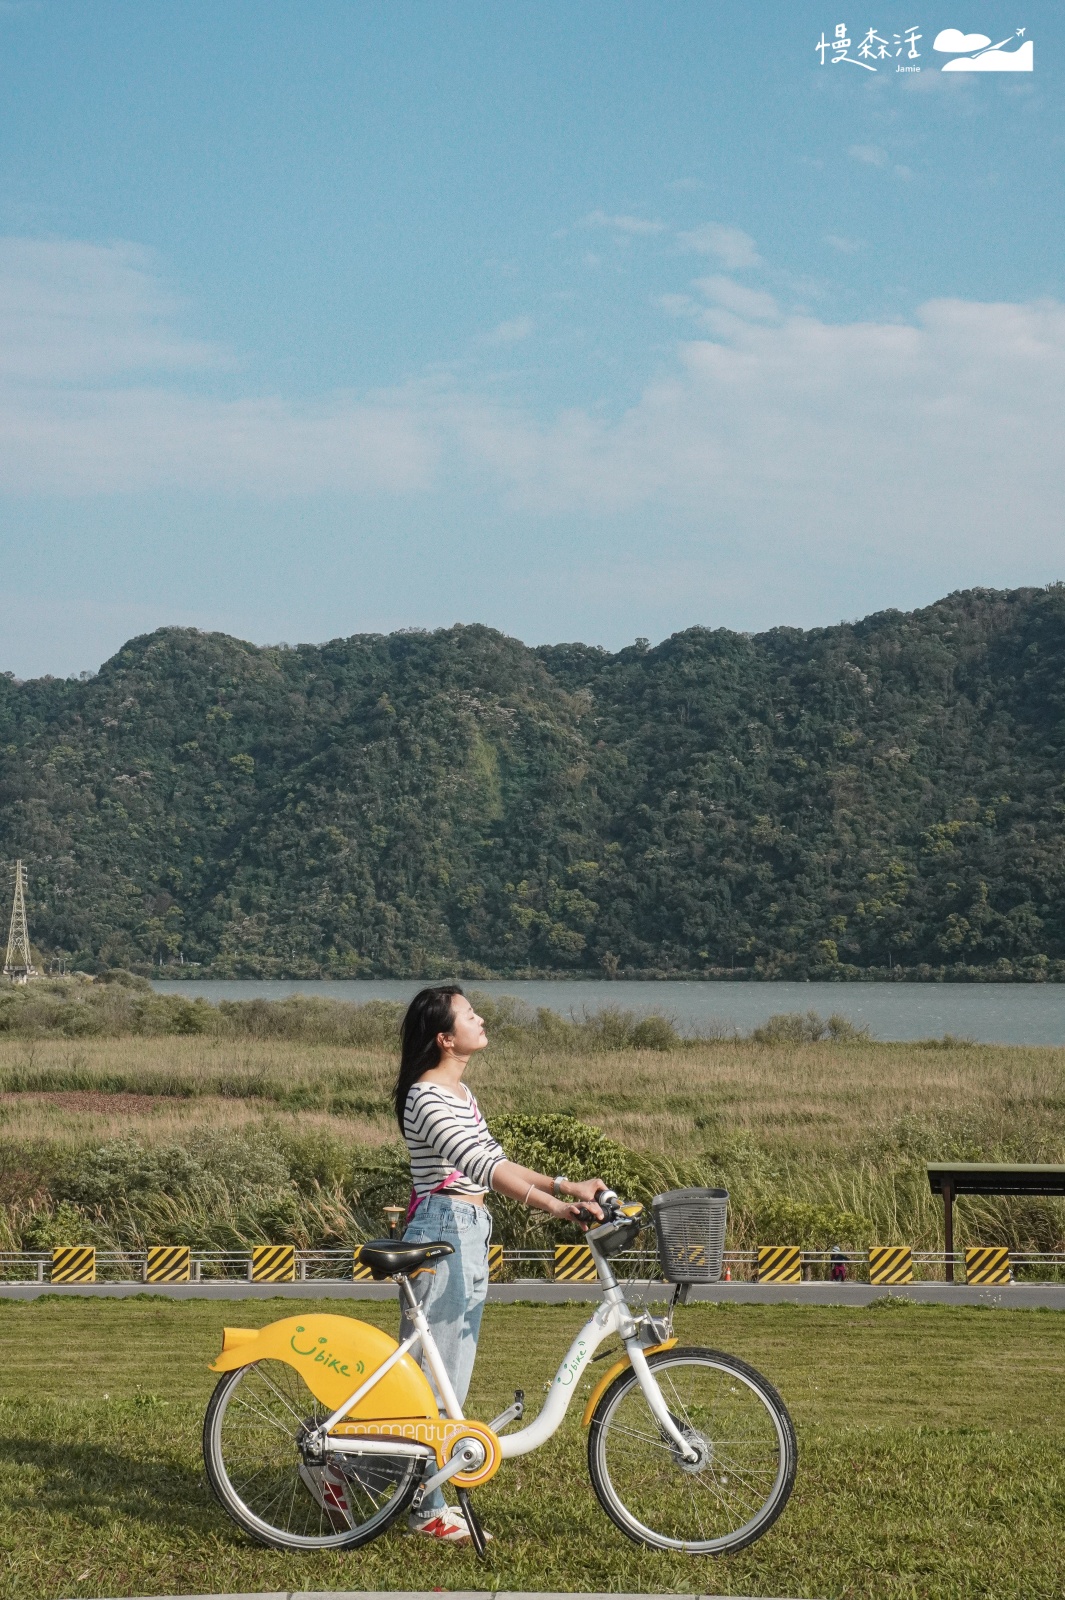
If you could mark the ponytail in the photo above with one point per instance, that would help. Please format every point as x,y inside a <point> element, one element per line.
<point>432,1011</point>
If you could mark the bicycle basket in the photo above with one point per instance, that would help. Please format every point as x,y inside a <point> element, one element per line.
<point>690,1225</point>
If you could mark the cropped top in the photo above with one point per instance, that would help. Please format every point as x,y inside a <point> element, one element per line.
<point>445,1136</point>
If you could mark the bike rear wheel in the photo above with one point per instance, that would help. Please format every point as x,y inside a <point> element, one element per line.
<point>746,1445</point>
<point>252,1433</point>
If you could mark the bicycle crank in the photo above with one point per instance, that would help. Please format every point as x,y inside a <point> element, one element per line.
<point>473,1522</point>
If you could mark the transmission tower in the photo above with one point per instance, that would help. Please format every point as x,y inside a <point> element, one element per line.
<point>19,964</point>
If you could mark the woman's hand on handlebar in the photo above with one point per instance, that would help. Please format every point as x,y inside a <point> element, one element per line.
<point>586,1213</point>
<point>585,1191</point>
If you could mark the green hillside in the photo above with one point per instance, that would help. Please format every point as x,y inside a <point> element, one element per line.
<point>880,796</point>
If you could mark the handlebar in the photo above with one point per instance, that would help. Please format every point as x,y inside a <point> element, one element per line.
<point>609,1205</point>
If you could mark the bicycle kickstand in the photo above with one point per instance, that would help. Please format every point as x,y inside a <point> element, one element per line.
<point>473,1522</point>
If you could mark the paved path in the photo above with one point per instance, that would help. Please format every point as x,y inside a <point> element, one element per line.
<point>1016,1296</point>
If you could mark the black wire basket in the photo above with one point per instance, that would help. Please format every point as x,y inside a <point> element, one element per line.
<point>690,1226</point>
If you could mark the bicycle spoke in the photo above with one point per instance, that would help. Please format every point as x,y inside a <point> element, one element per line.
<point>257,1466</point>
<point>710,1504</point>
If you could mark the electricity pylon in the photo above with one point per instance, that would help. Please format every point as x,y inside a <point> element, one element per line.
<point>19,964</point>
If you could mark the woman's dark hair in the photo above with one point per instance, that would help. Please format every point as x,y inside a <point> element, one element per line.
<point>432,1011</point>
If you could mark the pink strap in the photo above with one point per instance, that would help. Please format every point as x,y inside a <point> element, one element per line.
<point>416,1198</point>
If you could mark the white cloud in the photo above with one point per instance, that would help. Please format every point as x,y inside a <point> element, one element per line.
<point>675,305</point>
<point>871,154</point>
<point>70,310</point>
<point>511,332</point>
<point>779,433</point>
<point>809,440</point>
<point>736,297</point>
<point>94,394</point>
<point>732,247</point>
<point>622,224</point>
<point>845,246</point>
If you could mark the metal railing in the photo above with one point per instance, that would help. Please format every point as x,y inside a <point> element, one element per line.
<point>337,1266</point>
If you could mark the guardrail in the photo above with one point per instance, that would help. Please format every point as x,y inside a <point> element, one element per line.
<point>84,1264</point>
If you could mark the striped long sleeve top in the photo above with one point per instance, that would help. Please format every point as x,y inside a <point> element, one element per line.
<point>446,1136</point>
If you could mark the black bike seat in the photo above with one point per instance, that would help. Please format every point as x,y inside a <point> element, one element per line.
<point>386,1257</point>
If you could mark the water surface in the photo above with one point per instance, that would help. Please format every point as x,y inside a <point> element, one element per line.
<point>995,1013</point>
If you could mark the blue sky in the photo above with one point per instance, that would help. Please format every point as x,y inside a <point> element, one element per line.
<point>583,320</point>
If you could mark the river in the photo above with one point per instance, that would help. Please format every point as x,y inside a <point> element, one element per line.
<point>994,1013</point>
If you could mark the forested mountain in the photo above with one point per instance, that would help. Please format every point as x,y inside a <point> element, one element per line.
<point>882,795</point>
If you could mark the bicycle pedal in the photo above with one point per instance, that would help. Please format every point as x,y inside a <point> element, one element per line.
<point>473,1522</point>
<point>513,1413</point>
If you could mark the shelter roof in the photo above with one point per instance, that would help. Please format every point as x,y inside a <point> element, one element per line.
<point>995,1177</point>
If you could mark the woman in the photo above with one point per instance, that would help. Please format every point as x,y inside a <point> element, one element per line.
<point>454,1163</point>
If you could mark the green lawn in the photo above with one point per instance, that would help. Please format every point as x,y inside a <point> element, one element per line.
<point>932,1459</point>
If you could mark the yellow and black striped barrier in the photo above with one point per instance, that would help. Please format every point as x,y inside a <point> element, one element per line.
<point>988,1264</point>
<point>168,1263</point>
<point>574,1264</point>
<point>74,1263</point>
<point>273,1263</point>
<point>890,1263</point>
<point>359,1272</point>
<point>779,1263</point>
<point>495,1262</point>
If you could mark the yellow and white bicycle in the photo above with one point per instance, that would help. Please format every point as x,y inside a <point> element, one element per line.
<point>322,1430</point>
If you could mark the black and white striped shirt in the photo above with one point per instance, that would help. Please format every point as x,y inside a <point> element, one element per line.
<point>445,1136</point>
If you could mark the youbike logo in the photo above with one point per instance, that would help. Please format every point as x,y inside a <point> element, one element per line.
<point>323,1358</point>
<point>572,1365</point>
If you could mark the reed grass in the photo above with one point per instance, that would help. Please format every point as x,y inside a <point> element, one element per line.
<point>811,1136</point>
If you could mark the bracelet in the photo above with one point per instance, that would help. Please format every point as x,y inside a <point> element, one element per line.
<point>528,1192</point>
<point>556,1187</point>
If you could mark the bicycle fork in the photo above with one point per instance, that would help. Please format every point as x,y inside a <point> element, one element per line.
<point>657,1405</point>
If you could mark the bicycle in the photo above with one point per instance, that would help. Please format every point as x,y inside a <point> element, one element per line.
<point>323,1430</point>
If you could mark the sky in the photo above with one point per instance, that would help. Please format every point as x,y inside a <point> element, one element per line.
<point>586,321</point>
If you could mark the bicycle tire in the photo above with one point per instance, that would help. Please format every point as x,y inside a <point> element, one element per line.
<point>257,1471</point>
<point>741,1485</point>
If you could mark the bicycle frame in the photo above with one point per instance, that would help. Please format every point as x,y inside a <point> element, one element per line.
<point>612,1317</point>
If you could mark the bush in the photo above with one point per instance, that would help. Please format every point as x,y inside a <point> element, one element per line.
<point>778,1220</point>
<point>793,1027</point>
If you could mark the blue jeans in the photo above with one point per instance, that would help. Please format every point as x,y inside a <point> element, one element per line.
<point>452,1296</point>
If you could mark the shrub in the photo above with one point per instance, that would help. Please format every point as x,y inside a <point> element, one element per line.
<point>779,1220</point>
<point>793,1027</point>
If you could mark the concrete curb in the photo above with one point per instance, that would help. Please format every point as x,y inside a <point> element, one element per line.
<point>1012,1296</point>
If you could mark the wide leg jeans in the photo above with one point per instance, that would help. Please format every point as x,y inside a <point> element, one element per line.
<point>453,1294</point>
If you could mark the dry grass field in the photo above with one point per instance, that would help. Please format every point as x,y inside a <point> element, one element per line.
<point>840,1126</point>
<point>804,1098</point>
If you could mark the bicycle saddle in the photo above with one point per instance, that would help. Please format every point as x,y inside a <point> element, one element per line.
<point>386,1257</point>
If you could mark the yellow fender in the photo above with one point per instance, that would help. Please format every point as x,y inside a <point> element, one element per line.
<point>608,1377</point>
<point>334,1356</point>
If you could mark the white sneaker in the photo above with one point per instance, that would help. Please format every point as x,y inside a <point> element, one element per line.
<point>329,1487</point>
<point>448,1525</point>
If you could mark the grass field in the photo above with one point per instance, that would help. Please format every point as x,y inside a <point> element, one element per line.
<point>839,1128</point>
<point>932,1459</point>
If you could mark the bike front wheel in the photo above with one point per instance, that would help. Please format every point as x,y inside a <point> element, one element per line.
<point>746,1454</point>
<point>253,1448</point>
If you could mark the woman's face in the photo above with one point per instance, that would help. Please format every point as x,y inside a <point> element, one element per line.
<point>467,1029</point>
